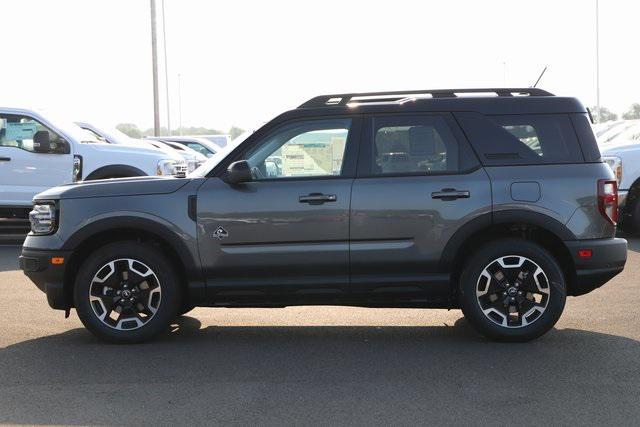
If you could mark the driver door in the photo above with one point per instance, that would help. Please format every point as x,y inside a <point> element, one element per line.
<point>32,159</point>
<point>288,227</point>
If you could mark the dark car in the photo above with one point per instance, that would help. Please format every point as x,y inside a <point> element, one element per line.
<point>497,205</point>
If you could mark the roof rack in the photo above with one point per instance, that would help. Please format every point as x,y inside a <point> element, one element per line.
<point>401,96</point>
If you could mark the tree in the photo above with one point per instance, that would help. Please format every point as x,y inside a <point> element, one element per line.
<point>235,132</point>
<point>633,113</point>
<point>130,129</point>
<point>604,115</point>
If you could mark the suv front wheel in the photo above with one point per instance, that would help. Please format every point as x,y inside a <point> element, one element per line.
<point>127,292</point>
<point>512,290</point>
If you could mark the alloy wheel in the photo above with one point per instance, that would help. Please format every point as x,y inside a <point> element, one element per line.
<point>513,291</point>
<point>125,294</point>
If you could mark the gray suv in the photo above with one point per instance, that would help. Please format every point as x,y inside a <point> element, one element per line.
<point>494,201</point>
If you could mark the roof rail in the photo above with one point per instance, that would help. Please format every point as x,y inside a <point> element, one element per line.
<point>395,96</point>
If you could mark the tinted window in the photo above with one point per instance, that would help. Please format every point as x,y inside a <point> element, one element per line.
<point>413,145</point>
<point>301,149</point>
<point>550,137</point>
<point>522,139</point>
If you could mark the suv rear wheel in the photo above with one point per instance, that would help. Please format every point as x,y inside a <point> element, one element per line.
<point>127,292</point>
<point>512,290</point>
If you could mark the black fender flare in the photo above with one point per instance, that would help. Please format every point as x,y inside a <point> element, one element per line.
<point>117,170</point>
<point>178,242</point>
<point>490,219</point>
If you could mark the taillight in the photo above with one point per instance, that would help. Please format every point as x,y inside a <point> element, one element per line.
<point>608,199</point>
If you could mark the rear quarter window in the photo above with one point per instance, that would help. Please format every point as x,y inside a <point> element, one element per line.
<point>522,139</point>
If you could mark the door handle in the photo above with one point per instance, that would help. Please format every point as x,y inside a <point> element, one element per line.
<point>317,198</point>
<point>5,159</point>
<point>450,194</point>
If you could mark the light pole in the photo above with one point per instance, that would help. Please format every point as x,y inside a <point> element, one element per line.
<point>599,115</point>
<point>180,104</point>
<point>166,74</point>
<point>154,58</point>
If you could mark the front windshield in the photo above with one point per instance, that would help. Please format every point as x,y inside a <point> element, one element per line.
<point>213,161</point>
<point>117,134</point>
<point>69,128</point>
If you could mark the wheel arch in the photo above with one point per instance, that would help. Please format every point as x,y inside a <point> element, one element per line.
<point>113,229</point>
<point>114,170</point>
<point>632,199</point>
<point>532,226</point>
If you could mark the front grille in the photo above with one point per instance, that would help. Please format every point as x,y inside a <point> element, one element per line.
<point>14,224</point>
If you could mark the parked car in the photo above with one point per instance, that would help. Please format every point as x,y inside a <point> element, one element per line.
<point>500,206</point>
<point>115,136</point>
<point>622,154</point>
<point>613,131</point>
<point>219,140</point>
<point>38,151</point>
<point>194,158</point>
<point>201,145</point>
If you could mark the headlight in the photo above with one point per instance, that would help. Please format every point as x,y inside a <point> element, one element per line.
<point>171,167</point>
<point>615,163</point>
<point>43,218</point>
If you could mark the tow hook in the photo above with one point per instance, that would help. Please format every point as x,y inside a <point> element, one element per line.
<point>67,311</point>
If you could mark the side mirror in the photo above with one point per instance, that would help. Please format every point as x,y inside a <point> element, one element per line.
<point>41,142</point>
<point>239,172</point>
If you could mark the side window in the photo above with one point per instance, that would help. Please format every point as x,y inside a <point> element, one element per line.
<point>413,145</point>
<point>550,137</point>
<point>94,134</point>
<point>200,149</point>
<point>30,135</point>
<point>522,139</point>
<point>311,148</point>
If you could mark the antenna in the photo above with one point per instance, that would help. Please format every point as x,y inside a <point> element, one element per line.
<point>540,76</point>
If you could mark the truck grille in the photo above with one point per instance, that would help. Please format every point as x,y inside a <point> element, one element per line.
<point>14,224</point>
<point>181,171</point>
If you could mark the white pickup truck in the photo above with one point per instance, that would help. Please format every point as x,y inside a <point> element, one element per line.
<point>38,152</point>
<point>622,154</point>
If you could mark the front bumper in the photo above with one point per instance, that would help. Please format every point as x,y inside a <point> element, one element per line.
<point>608,257</point>
<point>49,278</point>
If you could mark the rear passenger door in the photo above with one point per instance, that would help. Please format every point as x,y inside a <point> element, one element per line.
<point>418,182</point>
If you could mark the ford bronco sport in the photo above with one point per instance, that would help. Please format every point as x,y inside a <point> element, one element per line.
<point>499,205</point>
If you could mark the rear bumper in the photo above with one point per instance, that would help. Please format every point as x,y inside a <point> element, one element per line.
<point>49,278</point>
<point>608,257</point>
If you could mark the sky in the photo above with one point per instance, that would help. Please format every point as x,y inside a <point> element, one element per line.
<point>243,62</point>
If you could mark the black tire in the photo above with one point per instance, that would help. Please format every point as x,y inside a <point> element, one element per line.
<point>630,216</point>
<point>551,290</point>
<point>167,303</point>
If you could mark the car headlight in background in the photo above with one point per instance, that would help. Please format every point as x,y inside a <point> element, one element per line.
<point>615,163</point>
<point>43,218</point>
<point>171,167</point>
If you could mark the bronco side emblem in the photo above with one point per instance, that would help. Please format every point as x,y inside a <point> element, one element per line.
<point>221,233</point>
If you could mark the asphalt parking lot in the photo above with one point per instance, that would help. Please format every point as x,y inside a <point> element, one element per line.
<point>333,365</point>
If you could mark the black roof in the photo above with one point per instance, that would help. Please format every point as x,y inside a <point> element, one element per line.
<point>499,101</point>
